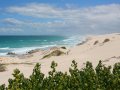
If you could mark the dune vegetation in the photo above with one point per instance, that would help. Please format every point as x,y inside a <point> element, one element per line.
<point>87,78</point>
<point>2,68</point>
<point>54,53</point>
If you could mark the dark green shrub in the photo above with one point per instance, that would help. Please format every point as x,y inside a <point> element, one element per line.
<point>100,78</point>
<point>36,79</point>
<point>116,76</point>
<point>19,82</point>
<point>2,87</point>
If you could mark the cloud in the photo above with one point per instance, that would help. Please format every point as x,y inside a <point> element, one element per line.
<point>12,21</point>
<point>97,19</point>
<point>36,10</point>
<point>10,29</point>
<point>10,25</point>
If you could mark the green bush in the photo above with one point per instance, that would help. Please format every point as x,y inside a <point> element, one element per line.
<point>100,78</point>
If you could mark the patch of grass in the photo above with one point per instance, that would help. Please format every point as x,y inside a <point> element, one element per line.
<point>18,63</point>
<point>106,40</point>
<point>96,42</point>
<point>46,56</point>
<point>2,68</point>
<point>54,53</point>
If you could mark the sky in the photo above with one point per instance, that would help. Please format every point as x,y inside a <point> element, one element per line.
<point>59,17</point>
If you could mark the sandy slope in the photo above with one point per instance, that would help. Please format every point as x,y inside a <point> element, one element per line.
<point>108,52</point>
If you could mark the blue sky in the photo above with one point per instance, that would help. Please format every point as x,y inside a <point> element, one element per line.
<point>59,17</point>
<point>81,3</point>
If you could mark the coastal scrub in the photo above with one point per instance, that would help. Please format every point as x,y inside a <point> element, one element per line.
<point>100,78</point>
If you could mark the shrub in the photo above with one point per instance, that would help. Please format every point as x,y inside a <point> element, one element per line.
<point>2,87</point>
<point>100,78</point>
<point>106,40</point>
<point>63,47</point>
<point>96,42</point>
<point>2,68</point>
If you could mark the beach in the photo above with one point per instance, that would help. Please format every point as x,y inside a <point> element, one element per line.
<point>94,48</point>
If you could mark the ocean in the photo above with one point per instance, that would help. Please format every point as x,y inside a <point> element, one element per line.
<point>22,44</point>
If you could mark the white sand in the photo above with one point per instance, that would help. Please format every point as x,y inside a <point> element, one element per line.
<point>108,52</point>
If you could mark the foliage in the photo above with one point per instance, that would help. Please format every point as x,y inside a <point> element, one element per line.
<point>2,68</point>
<point>63,47</point>
<point>96,42</point>
<point>106,40</point>
<point>100,78</point>
<point>54,53</point>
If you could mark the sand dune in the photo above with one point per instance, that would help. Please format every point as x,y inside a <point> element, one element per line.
<point>99,47</point>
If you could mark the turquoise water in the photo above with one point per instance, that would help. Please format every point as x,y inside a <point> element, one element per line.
<point>22,44</point>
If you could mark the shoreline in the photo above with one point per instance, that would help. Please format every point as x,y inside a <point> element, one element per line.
<point>95,48</point>
<point>67,42</point>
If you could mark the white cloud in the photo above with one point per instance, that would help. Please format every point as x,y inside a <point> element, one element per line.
<point>12,21</point>
<point>98,19</point>
<point>11,25</point>
<point>10,29</point>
